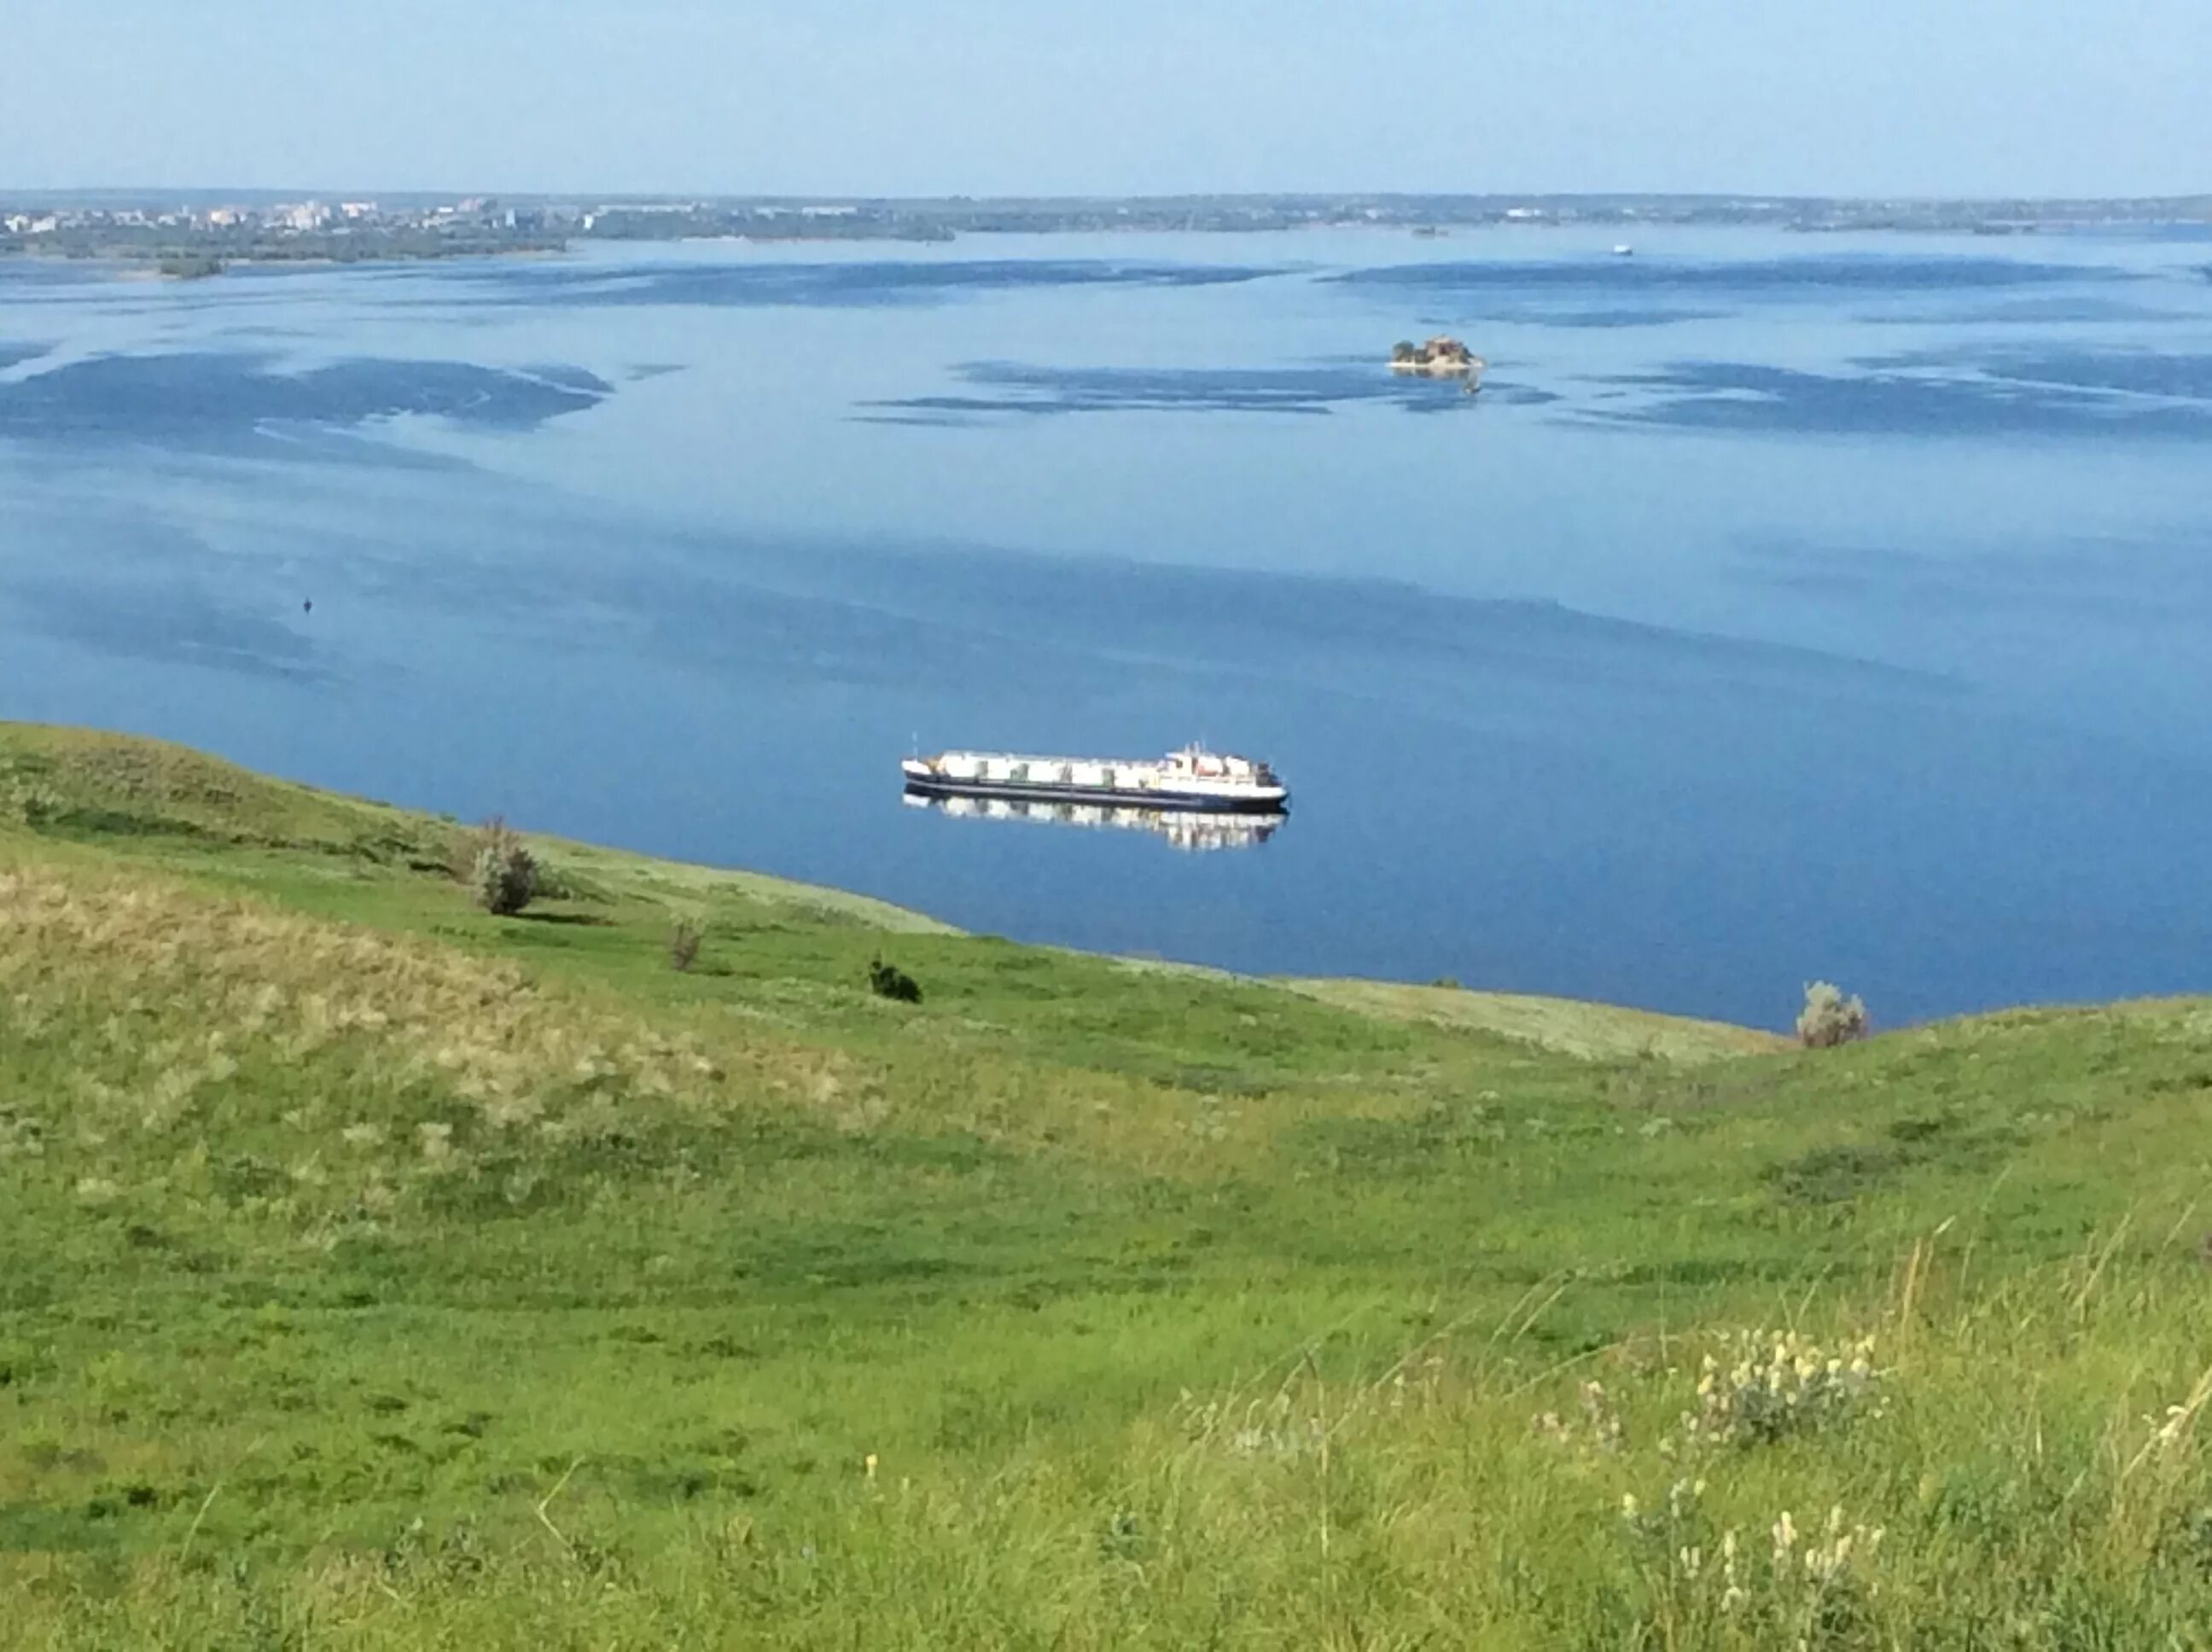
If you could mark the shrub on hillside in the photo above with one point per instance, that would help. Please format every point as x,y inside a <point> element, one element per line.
<point>888,980</point>
<point>1829,1018</point>
<point>27,802</point>
<point>503,875</point>
<point>553,882</point>
<point>683,945</point>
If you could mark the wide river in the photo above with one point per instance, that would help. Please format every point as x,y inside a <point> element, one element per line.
<point>1783,606</point>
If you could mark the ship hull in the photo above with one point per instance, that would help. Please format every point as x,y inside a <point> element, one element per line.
<point>1259,800</point>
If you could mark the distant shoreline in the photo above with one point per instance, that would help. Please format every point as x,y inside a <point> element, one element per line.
<point>134,263</point>
<point>138,266</point>
<point>192,228</point>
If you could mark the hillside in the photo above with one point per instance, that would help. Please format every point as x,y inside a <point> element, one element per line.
<point>387,1274</point>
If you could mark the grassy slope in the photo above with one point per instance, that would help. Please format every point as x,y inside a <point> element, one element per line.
<point>382,1273</point>
<point>1571,1029</point>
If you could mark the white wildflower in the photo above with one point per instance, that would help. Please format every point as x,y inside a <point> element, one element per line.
<point>1779,1383</point>
<point>1605,1429</point>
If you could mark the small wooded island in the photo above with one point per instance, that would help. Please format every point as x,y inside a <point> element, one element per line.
<point>1442,357</point>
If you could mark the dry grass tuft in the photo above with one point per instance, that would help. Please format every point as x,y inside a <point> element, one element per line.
<point>162,993</point>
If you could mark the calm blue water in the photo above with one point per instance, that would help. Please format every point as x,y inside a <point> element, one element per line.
<point>1784,607</point>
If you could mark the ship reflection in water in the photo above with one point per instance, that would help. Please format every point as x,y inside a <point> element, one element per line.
<point>1183,830</point>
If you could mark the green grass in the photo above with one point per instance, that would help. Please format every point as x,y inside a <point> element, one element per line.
<point>384,1274</point>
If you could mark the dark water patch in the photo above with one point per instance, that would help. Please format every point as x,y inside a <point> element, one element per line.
<point>1815,276</point>
<point>1627,315</point>
<point>1317,389</point>
<point>14,354</point>
<point>1247,617</point>
<point>780,612</point>
<point>736,630</point>
<point>876,283</point>
<point>2146,588</point>
<point>638,372</point>
<point>224,402</point>
<point>919,420</point>
<point>2126,372</point>
<point>985,613</point>
<point>1754,398</point>
<point>2050,311</point>
<point>165,621</point>
<point>580,384</point>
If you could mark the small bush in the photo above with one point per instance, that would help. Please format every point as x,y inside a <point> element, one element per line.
<point>888,980</point>
<point>27,802</point>
<point>503,874</point>
<point>1829,1018</point>
<point>683,945</point>
<point>550,882</point>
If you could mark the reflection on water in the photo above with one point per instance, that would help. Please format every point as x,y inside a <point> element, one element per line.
<point>1183,828</point>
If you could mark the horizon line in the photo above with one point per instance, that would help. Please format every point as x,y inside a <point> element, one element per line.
<point>1041,198</point>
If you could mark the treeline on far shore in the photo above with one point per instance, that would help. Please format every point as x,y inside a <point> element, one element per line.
<point>209,255</point>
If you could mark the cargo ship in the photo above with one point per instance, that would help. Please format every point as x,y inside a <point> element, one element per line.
<point>1192,779</point>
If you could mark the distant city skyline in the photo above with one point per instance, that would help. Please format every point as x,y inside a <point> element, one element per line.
<point>846,98</point>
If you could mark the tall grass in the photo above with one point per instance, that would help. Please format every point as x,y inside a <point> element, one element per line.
<point>2026,1468</point>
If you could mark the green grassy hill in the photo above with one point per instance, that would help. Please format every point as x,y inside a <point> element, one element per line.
<point>381,1273</point>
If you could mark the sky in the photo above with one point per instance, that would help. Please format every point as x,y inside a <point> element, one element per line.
<point>1861,97</point>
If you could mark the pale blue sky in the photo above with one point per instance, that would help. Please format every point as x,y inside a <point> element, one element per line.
<point>1043,96</point>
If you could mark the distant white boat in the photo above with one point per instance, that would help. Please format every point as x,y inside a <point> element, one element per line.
<point>1623,249</point>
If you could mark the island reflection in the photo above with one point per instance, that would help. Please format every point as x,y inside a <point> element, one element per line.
<point>1183,828</point>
